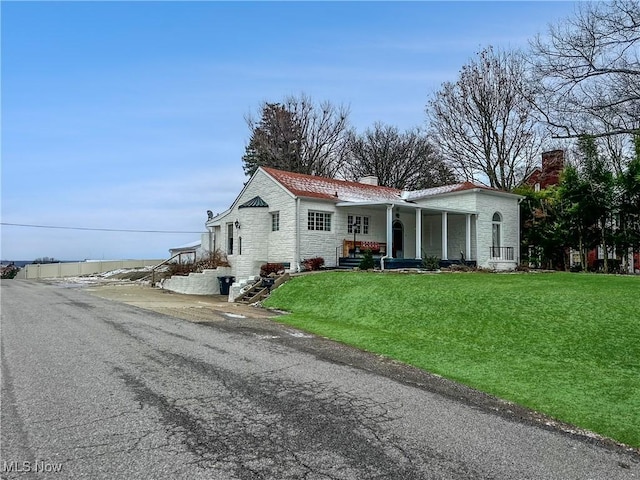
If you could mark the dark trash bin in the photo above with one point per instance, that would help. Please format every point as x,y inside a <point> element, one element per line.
<point>268,283</point>
<point>225,283</point>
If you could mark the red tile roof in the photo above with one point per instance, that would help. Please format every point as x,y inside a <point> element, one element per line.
<point>312,186</point>
<point>332,189</point>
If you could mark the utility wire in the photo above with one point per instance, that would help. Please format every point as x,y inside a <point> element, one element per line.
<point>93,229</point>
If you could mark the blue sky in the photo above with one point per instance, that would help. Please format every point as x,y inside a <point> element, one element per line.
<point>130,115</point>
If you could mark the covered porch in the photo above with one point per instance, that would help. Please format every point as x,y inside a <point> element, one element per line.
<point>400,235</point>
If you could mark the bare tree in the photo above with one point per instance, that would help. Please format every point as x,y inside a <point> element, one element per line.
<point>484,123</point>
<point>400,160</point>
<point>298,135</point>
<point>590,68</point>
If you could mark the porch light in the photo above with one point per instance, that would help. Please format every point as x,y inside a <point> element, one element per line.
<point>356,229</point>
<point>237,224</point>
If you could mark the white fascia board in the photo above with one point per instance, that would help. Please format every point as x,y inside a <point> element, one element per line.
<point>406,205</point>
<point>215,221</point>
<point>500,193</point>
<point>473,190</point>
<point>374,203</point>
<point>450,210</point>
<point>276,182</point>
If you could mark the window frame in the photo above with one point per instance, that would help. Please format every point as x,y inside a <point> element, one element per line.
<point>361,220</point>
<point>319,221</point>
<point>229,238</point>
<point>496,233</point>
<point>275,221</point>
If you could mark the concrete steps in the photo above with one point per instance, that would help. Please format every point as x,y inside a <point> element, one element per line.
<point>261,288</point>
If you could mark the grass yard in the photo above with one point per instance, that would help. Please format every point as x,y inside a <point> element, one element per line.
<point>564,344</point>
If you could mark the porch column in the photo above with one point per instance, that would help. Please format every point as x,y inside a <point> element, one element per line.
<point>389,230</point>
<point>467,240</point>
<point>445,246</point>
<point>418,233</point>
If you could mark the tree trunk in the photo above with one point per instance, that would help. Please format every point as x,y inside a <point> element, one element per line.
<point>604,246</point>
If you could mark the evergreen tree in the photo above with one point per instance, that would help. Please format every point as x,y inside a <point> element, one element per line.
<point>543,231</point>
<point>274,141</point>
<point>298,135</point>
<point>628,205</point>
<point>574,214</point>
<point>598,203</point>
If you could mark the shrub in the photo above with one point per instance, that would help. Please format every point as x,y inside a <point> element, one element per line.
<point>10,271</point>
<point>269,268</point>
<point>430,262</point>
<point>367,261</point>
<point>181,268</point>
<point>313,263</point>
<point>460,267</point>
<point>212,261</point>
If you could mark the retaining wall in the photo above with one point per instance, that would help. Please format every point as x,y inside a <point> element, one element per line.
<point>76,269</point>
<point>205,283</point>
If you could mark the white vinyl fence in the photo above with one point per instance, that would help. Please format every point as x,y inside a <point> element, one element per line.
<point>76,269</point>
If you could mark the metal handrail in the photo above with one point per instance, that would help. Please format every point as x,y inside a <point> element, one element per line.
<point>502,253</point>
<point>153,269</point>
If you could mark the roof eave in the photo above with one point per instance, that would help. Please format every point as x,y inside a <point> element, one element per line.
<point>499,193</point>
<point>470,190</point>
<point>346,203</point>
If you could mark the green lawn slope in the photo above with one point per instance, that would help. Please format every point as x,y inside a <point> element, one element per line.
<point>567,345</point>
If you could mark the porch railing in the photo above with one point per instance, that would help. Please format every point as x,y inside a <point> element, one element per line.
<point>502,253</point>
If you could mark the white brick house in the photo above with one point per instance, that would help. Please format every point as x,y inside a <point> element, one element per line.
<point>284,217</point>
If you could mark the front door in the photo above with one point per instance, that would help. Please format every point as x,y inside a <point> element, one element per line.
<point>398,239</point>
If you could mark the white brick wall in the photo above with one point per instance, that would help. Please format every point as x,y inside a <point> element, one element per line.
<point>456,239</point>
<point>252,244</point>
<point>315,243</point>
<point>508,207</point>
<point>485,203</point>
<point>432,235</point>
<point>259,243</point>
<point>465,200</point>
<point>377,225</point>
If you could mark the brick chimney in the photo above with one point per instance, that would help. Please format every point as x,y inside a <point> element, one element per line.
<point>552,165</point>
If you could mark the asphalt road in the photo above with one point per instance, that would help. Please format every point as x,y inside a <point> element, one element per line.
<point>100,389</point>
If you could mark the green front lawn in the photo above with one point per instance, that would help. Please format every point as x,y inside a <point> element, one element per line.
<point>564,344</point>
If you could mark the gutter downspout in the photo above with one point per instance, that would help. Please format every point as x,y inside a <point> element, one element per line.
<point>297,245</point>
<point>210,240</point>
<point>518,259</point>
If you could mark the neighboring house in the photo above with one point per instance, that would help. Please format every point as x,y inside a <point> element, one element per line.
<point>548,173</point>
<point>285,217</point>
<point>188,252</point>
